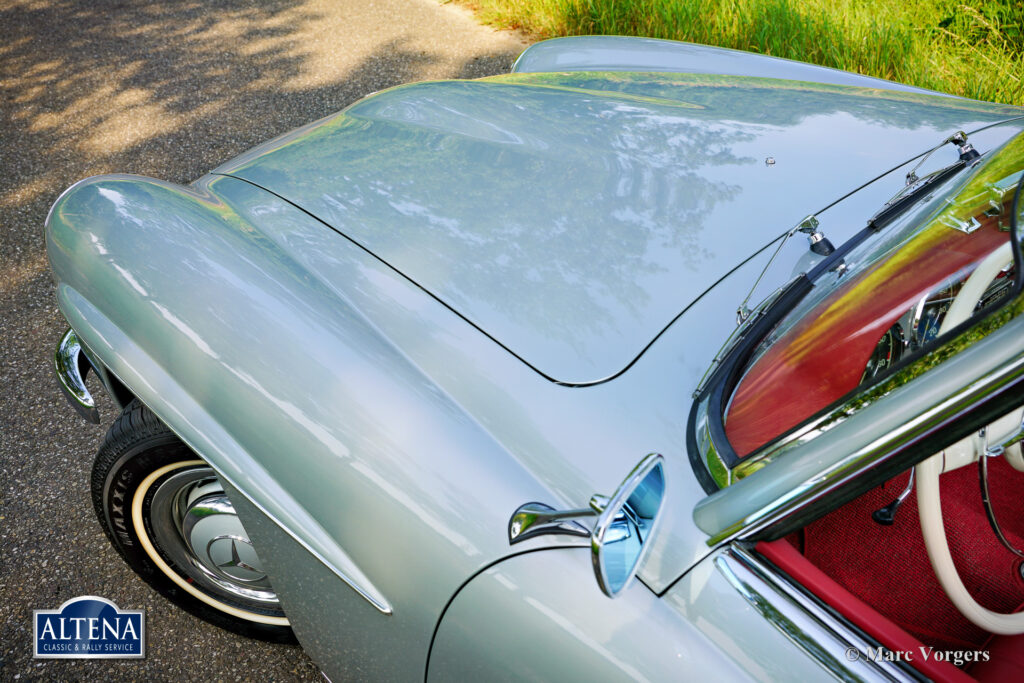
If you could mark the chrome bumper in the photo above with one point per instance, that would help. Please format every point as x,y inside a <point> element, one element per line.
<point>71,365</point>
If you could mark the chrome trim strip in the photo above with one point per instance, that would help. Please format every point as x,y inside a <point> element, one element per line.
<point>71,366</point>
<point>804,621</point>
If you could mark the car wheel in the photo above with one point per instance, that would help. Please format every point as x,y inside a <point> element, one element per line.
<point>166,512</point>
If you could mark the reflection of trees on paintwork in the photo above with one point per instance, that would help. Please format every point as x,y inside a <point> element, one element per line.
<point>771,101</point>
<point>583,196</point>
<point>569,212</point>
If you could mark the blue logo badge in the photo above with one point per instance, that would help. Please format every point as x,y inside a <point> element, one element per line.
<point>89,627</point>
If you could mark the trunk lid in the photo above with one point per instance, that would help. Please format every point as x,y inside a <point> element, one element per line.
<point>572,217</point>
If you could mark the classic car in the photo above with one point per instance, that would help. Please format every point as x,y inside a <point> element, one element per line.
<point>647,360</point>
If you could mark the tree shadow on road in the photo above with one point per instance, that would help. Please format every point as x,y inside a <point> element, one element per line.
<point>170,90</point>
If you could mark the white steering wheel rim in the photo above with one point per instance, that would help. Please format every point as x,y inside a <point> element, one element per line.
<point>929,501</point>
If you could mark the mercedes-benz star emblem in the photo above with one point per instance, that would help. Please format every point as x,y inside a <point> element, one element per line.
<point>230,568</point>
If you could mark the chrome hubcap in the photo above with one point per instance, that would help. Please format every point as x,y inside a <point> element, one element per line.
<point>215,537</point>
<point>195,524</point>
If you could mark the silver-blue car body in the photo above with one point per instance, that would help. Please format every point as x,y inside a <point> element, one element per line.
<point>390,330</point>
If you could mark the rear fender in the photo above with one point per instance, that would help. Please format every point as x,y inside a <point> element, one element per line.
<point>194,299</point>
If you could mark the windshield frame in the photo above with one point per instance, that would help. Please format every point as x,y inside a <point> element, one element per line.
<point>708,412</point>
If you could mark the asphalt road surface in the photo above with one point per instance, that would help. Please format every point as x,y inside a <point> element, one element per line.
<point>166,89</point>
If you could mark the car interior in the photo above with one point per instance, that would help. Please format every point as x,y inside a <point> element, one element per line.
<point>932,560</point>
<point>880,578</point>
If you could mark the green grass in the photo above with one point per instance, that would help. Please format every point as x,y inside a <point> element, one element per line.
<point>975,49</point>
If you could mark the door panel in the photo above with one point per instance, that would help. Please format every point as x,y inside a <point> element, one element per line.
<point>541,617</point>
